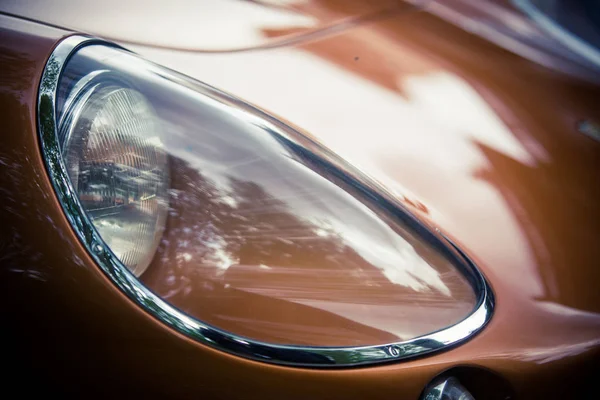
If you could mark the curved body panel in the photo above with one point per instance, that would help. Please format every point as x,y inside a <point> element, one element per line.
<point>495,151</point>
<point>205,25</point>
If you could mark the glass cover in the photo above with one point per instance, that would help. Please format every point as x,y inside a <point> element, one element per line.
<point>268,235</point>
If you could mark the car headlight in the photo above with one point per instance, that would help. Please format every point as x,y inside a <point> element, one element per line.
<point>236,230</point>
<point>112,150</point>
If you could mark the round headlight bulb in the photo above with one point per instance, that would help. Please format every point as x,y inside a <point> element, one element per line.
<point>112,149</point>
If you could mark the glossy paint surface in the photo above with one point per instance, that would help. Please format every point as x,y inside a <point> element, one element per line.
<point>204,25</point>
<point>478,141</point>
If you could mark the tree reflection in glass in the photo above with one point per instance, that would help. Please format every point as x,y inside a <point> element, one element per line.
<point>292,269</point>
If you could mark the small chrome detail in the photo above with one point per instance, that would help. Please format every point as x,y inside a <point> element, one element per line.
<point>299,356</point>
<point>394,351</point>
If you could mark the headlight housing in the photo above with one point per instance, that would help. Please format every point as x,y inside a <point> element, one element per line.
<point>245,235</point>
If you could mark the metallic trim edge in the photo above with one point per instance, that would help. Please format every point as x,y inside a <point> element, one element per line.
<point>298,356</point>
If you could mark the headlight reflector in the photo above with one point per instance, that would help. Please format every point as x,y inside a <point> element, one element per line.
<point>113,153</point>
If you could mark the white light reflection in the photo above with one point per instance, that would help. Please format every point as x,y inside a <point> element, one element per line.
<point>456,109</point>
<point>388,251</point>
<point>199,24</point>
<point>543,355</point>
<point>219,257</point>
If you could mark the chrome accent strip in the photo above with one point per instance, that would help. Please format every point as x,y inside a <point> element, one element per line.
<point>299,356</point>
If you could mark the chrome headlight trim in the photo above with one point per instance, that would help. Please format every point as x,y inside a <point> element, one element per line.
<point>300,356</point>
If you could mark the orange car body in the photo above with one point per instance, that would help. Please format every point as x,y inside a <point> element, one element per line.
<point>494,149</point>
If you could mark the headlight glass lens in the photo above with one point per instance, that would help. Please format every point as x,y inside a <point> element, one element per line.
<point>231,218</point>
<point>113,153</point>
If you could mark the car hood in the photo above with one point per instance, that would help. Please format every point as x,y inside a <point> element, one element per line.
<point>205,25</point>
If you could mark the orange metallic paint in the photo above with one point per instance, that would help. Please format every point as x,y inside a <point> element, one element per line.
<point>519,194</point>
